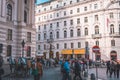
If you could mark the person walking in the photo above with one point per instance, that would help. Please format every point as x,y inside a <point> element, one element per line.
<point>40,68</point>
<point>37,69</point>
<point>66,67</point>
<point>117,69</point>
<point>77,70</point>
<point>1,69</point>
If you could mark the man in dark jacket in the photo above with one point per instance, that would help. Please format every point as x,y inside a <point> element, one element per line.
<point>77,69</point>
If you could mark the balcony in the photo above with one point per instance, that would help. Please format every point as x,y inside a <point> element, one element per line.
<point>116,34</point>
<point>94,36</point>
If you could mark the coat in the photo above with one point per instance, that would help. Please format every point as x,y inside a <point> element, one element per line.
<point>40,69</point>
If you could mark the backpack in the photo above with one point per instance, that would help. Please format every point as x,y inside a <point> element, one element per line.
<point>1,71</point>
<point>77,66</point>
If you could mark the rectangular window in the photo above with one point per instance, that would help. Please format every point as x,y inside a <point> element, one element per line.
<point>57,24</point>
<point>9,50</point>
<point>44,26</point>
<point>50,25</point>
<point>78,0</point>
<point>119,15</point>
<point>57,46</point>
<point>38,36</point>
<point>96,17</point>
<point>44,47</point>
<point>57,14</point>
<point>85,8</point>
<point>38,47</point>
<point>78,20</point>
<point>65,45</point>
<point>71,11</point>
<point>29,36</point>
<point>79,45</point>
<point>78,10</point>
<point>71,22</point>
<point>70,2</point>
<point>44,9</point>
<point>39,27</point>
<point>65,23</point>
<point>72,45</point>
<point>64,4</point>
<point>111,15</point>
<point>85,19</point>
<point>9,35</point>
<point>95,6</point>
<point>64,13</point>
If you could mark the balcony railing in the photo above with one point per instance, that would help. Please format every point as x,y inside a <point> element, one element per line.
<point>116,34</point>
<point>94,36</point>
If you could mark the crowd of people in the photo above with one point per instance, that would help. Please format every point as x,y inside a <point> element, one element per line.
<point>35,66</point>
<point>113,67</point>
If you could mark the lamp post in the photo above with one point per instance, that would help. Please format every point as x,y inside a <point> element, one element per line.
<point>50,46</point>
<point>23,45</point>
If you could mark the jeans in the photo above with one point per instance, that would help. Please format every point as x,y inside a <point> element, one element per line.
<point>66,76</point>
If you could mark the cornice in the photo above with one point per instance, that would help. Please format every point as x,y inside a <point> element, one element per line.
<point>65,7</point>
<point>86,13</point>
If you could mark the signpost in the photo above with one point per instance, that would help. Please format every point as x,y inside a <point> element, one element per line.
<point>96,50</point>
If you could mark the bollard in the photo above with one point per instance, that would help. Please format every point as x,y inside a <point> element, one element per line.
<point>85,74</point>
<point>92,76</point>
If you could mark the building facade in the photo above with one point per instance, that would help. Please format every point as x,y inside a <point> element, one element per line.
<point>16,26</point>
<point>73,27</point>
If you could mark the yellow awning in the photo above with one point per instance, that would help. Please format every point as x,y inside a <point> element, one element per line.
<point>73,51</point>
<point>79,51</point>
<point>66,51</point>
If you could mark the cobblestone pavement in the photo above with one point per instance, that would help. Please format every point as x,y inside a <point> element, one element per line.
<point>102,74</point>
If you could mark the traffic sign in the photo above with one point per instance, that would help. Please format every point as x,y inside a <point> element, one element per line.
<point>95,49</point>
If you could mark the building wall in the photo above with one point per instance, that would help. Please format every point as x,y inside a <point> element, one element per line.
<point>18,26</point>
<point>94,7</point>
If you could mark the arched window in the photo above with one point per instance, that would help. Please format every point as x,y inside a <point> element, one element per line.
<point>71,33</point>
<point>9,50</point>
<point>57,36</point>
<point>65,34</point>
<point>78,32</point>
<point>9,12</point>
<point>111,29</point>
<point>25,16</point>
<point>86,31</point>
<point>96,30</point>
<point>51,35</point>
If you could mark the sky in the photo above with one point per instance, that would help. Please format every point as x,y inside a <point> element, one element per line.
<point>41,1</point>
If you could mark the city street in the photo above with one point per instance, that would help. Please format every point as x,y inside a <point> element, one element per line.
<point>48,74</point>
<point>54,73</point>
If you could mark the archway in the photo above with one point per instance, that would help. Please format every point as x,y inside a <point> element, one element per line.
<point>57,55</point>
<point>113,55</point>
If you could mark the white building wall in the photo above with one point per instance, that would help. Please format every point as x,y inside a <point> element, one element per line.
<point>103,9</point>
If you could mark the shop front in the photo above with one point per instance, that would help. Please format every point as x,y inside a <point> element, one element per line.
<point>73,53</point>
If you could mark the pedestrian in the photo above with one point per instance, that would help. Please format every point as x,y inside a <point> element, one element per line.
<point>117,69</point>
<point>108,67</point>
<point>77,70</point>
<point>1,69</point>
<point>40,69</point>
<point>66,67</point>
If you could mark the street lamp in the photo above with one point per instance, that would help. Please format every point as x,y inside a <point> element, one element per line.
<point>23,45</point>
<point>50,46</point>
